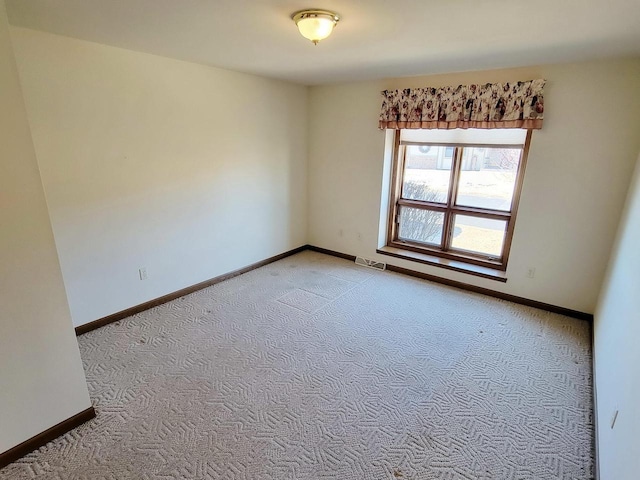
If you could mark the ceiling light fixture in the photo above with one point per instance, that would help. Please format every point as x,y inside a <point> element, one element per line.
<point>315,25</point>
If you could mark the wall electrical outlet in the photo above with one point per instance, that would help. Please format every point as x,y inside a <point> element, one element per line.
<point>143,273</point>
<point>531,272</point>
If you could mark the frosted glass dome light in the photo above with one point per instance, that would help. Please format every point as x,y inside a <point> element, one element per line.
<point>315,25</point>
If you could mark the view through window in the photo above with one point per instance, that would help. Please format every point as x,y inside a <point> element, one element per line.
<point>458,200</point>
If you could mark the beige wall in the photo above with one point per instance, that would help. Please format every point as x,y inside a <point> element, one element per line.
<point>41,378</point>
<point>577,175</point>
<point>186,170</point>
<point>616,341</point>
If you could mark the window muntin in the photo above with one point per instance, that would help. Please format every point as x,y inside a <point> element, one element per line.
<point>456,201</point>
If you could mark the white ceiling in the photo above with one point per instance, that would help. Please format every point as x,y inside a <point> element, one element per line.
<point>374,39</point>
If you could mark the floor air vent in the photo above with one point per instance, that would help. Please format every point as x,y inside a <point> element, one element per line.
<point>365,262</point>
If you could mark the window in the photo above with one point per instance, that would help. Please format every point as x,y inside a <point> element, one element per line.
<point>457,199</point>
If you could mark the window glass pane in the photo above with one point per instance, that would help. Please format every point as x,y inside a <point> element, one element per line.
<point>427,173</point>
<point>420,225</point>
<point>477,234</point>
<point>488,177</point>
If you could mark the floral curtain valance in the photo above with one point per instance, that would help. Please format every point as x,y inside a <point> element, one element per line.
<point>493,105</point>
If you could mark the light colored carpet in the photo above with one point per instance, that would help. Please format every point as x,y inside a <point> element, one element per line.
<point>314,368</point>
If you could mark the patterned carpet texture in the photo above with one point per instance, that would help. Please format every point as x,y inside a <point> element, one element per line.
<point>314,368</point>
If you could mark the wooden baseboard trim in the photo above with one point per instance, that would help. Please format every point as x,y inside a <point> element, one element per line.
<point>87,327</point>
<point>333,253</point>
<point>45,437</point>
<point>101,322</point>
<point>471,288</point>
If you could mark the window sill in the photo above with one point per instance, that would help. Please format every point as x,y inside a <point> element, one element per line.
<point>458,266</point>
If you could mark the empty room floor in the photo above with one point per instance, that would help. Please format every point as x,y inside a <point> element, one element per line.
<point>314,368</point>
